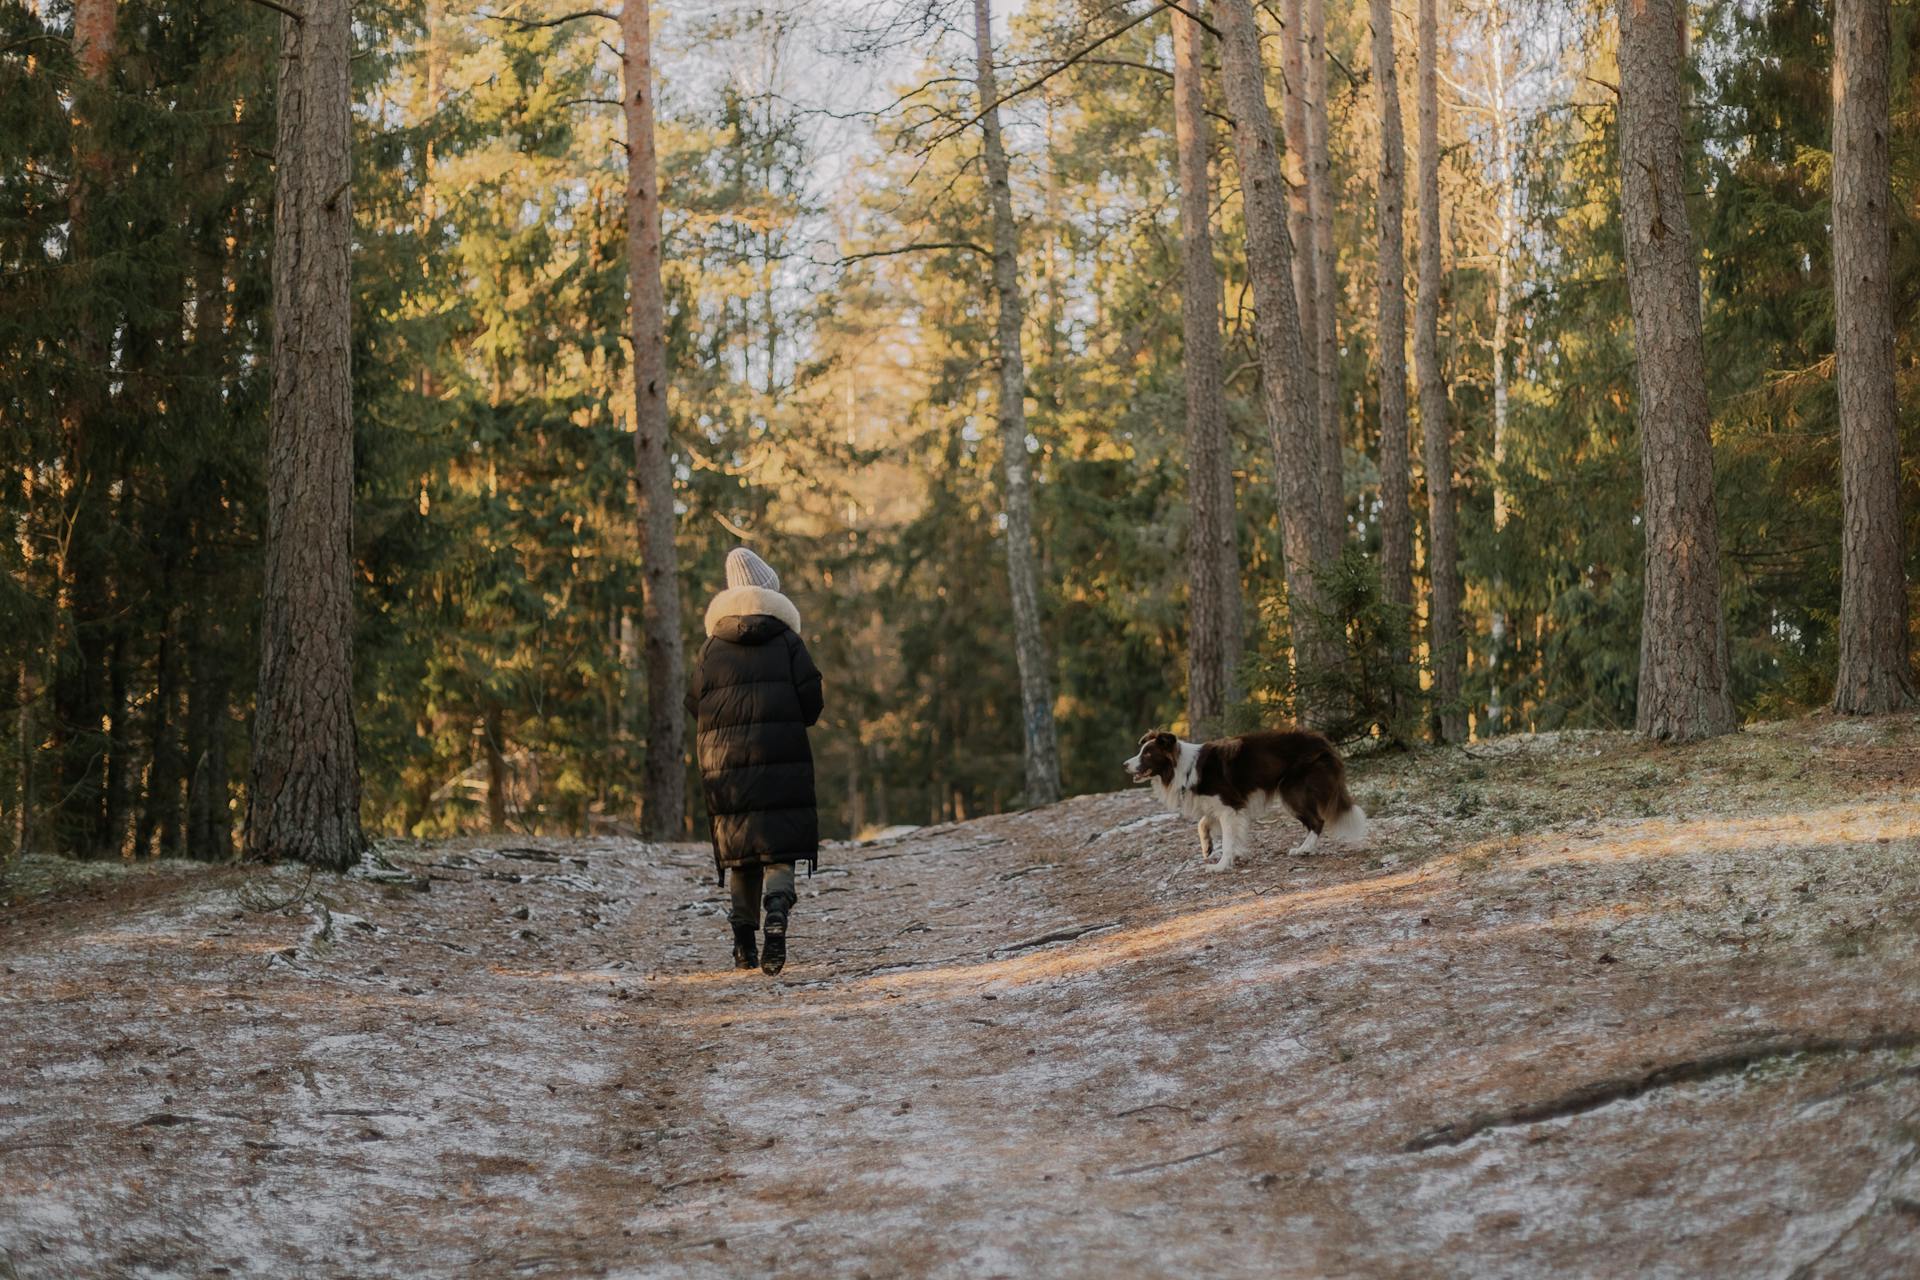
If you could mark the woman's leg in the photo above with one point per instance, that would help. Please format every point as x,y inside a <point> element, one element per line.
<point>779,900</point>
<point>743,890</point>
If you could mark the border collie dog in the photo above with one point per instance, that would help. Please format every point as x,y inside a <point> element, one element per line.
<point>1229,784</point>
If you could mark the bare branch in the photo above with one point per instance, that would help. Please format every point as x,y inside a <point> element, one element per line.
<point>277,7</point>
<point>532,24</point>
<point>968,245</point>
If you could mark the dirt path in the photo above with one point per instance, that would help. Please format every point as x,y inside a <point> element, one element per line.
<point>1587,1008</point>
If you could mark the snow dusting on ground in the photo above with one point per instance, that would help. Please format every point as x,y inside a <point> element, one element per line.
<point>1588,1007</point>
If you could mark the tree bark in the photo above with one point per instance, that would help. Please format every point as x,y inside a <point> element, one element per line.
<point>663,787</point>
<point>1683,690</point>
<point>494,734</point>
<point>1297,156</point>
<point>1036,694</point>
<point>1502,316</point>
<point>1326,319</point>
<point>1396,512</point>
<point>303,801</point>
<point>1286,384</point>
<point>209,812</point>
<point>1213,591</point>
<point>1875,674</point>
<point>1446,651</point>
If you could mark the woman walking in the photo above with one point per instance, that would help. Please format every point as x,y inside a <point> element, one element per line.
<point>755,692</point>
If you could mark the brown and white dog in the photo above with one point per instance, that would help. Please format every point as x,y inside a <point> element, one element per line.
<point>1229,784</point>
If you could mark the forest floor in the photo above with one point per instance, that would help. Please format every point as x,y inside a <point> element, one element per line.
<point>1587,1006</point>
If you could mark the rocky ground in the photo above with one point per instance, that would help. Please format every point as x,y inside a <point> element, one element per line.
<point>1586,1007</point>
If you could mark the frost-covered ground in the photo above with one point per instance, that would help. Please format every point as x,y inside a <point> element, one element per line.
<point>1587,1007</point>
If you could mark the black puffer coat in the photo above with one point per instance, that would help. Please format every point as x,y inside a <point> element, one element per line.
<point>755,690</point>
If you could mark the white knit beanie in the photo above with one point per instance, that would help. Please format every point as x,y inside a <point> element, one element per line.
<point>745,569</point>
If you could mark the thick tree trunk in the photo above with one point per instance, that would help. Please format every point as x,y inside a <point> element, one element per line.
<point>1036,693</point>
<point>1396,512</point>
<point>1683,648</point>
<point>1446,650</point>
<point>1326,319</point>
<point>493,733</point>
<point>303,800</point>
<point>1213,590</point>
<point>1286,382</point>
<point>664,784</point>
<point>1507,229</point>
<point>1875,674</point>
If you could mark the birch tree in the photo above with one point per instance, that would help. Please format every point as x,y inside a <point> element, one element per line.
<point>1683,686</point>
<point>1042,751</point>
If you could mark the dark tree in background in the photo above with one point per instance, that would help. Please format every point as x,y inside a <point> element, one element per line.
<point>1390,325</point>
<point>1683,643</point>
<point>304,792</point>
<point>1875,674</point>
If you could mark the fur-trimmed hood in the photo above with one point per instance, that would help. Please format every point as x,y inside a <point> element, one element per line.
<point>746,602</point>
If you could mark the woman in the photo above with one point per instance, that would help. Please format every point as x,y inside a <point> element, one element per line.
<point>756,692</point>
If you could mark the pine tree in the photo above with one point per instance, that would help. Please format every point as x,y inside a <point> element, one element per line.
<point>1683,690</point>
<point>1390,326</point>
<point>663,812</point>
<point>304,784</point>
<point>1875,675</point>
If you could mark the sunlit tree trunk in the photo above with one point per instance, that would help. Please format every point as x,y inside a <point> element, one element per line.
<point>1875,675</point>
<point>1446,650</point>
<point>1213,589</point>
<point>1326,319</point>
<point>1030,646</point>
<point>1683,649</point>
<point>304,794</point>
<point>1286,381</point>
<point>663,780</point>
<point>1507,229</point>
<point>1396,512</point>
<point>1297,157</point>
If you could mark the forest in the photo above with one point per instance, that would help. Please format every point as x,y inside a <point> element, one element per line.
<point>1422,373</point>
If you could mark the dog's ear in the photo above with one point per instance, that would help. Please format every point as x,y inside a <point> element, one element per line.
<point>1166,741</point>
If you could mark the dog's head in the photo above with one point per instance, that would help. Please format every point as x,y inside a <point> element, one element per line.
<point>1158,756</point>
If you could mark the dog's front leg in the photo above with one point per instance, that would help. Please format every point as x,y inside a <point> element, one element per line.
<point>1232,836</point>
<point>1207,825</point>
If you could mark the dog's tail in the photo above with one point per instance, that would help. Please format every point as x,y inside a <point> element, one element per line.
<point>1349,825</point>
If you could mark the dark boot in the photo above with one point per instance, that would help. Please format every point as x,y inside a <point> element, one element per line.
<point>745,956</point>
<point>773,954</point>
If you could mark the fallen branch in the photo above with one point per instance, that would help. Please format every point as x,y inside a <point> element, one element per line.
<point>1058,935</point>
<point>1168,1164</point>
<point>1600,1093</point>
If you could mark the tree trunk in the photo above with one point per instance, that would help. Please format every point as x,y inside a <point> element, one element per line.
<point>1288,388</point>
<point>1683,648</point>
<point>664,786</point>
<point>1875,675</point>
<point>1326,363</point>
<point>1036,694</point>
<point>1508,228</point>
<point>1297,157</point>
<point>161,820</point>
<point>1445,649</point>
<point>1213,591</point>
<point>1396,512</point>
<point>303,800</point>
